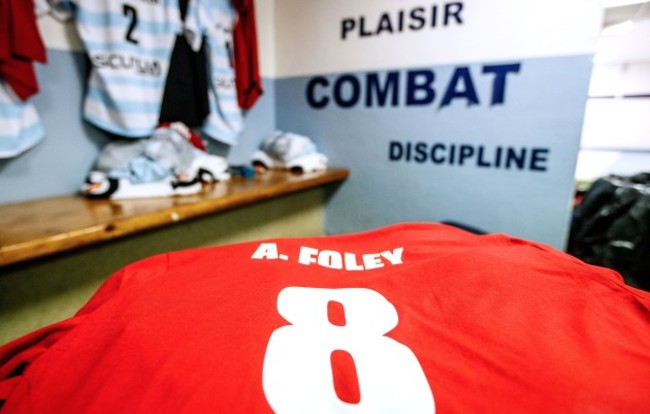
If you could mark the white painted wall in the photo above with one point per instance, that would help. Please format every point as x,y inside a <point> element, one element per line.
<point>308,34</point>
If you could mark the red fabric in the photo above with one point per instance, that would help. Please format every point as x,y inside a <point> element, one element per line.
<point>5,29</point>
<point>186,132</point>
<point>20,46</point>
<point>496,324</point>
<point>247,78</point>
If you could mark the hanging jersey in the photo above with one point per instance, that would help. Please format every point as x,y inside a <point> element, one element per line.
<point>215,19</point>
<point>247,76</point>
<point>20,46</point>
<point>411,318</point>
<point>129,44</point>
<point>20,125</point>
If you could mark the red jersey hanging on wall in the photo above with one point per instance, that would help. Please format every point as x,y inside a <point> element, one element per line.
<point>247,77</point>
<point>20,46</point>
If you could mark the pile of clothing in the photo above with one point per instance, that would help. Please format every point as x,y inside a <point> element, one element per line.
<point>289,151</point>
<point>173,161</point>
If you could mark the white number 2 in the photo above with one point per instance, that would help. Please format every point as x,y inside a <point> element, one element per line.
<point>298,375</point>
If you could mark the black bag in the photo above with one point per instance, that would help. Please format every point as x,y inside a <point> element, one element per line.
<point>611,227</point>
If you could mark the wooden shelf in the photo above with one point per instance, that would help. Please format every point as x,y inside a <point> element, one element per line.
<point>41,227</point>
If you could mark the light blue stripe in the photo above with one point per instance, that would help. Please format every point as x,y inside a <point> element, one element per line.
<point>30,133</point>
<point>224,135</point>
<point>27,138</point>
<point>144,83</point>
<point>11,110</point>
<point>220,70</point>
<point>117,130</point>
<point>128,48</point>
<point>221,97</point>
<point>122,105</point>
<point>223,6</point>
<point>219,51</point>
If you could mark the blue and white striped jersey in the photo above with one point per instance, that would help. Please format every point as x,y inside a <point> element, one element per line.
<point>215,19</point>
<point>129,44</point>
<point>20,125</point>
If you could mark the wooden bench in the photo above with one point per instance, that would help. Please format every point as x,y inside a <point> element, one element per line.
<point>38,228</point>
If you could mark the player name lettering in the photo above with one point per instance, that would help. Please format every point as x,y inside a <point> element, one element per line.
<point>333,259</point>
<point>349,261</point>
<point>128,63</point>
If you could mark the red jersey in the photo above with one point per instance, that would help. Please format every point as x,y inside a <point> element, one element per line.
<point>411,318</point>
<point>20,46</point>
<point>247,76</point>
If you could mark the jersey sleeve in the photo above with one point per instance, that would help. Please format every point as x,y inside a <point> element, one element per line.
<point>225,121</point>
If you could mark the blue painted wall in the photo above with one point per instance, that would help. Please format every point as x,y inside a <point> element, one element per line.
<point>58,164</point>
<point>537,113</point>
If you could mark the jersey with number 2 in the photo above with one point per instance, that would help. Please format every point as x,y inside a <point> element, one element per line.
<point>129,44</point>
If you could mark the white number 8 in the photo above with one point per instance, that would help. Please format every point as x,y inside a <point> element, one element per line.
<point>298,376</point>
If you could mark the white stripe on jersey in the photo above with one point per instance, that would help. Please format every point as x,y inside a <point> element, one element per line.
<point>20,125</point>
